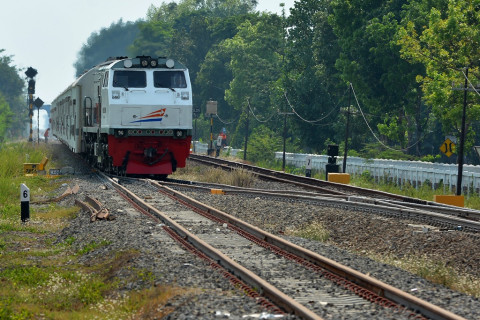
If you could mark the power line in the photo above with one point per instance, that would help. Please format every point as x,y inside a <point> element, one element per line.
<point>314,121</point>
<point>373,133</point>
<point>261,121</point>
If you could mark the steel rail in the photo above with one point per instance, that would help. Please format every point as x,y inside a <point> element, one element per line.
<point>264,173</point>
<point>302,181</point>
<point>348,189</point>
<point>268,290</point>
<point>453,220</point>
<point>378,287</point>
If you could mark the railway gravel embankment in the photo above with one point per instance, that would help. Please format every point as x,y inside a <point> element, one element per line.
<point>352,237</point>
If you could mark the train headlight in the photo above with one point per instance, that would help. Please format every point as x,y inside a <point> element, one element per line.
<point>127,63</point>
<point>120,133</point>
<point>144,63</point>
<point>170,63</point>
<point>185,95</point>
<point>153,63</point>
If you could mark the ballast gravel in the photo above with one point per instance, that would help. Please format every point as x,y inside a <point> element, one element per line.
<point>148,250</point>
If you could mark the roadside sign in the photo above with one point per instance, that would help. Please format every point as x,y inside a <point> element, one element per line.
<point>24,193</point>
<point>448,147</point>
<point>308,164</point>
<point>54,172</point>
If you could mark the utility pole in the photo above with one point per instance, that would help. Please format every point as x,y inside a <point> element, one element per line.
<point>462,137</point>
<point>284,137</point>
<point>211,110</point>
<point>246,130</point>
<point>346,129</point>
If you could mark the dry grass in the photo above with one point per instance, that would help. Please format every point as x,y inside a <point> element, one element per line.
<point>434,271</point>
<point>314,231</point>
<point>236,177</point>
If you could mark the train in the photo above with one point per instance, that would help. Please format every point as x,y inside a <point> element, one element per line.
<point>128,116</point>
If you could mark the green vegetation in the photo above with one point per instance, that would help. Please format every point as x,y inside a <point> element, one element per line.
<point>41,278</point>
<point>401,58</point>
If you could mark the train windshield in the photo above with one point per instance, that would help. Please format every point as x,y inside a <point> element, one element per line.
<point>169,79</point>
<point>130,79</point>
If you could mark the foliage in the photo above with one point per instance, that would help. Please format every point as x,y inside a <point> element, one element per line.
<point>108,42</point>
<point>445,40</point>
<point>13,112</point>
<point>400,57</point>
<point>263,144</point>
<point>5,117</point>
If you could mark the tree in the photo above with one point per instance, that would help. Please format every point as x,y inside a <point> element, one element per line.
<point>5,117</point>
<point>256,65</point>
<point>14,111</point>
<point>384,81</point>
<point>445,41</point>
<point>108,42</point>
<point>309,79</point>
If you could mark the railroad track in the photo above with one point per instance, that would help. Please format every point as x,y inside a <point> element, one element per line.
<point>224,240</point>
<point>391,204</point>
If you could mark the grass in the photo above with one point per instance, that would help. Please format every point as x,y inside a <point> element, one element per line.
<point>434,271</point>
<point>237,177</point>
<point>42,279</point>
<point>314,231</point>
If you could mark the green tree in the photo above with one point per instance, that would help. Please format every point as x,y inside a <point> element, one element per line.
<point>385,83</point>
<point>255,64</point>
<point>11,89</point>
<point>445,41</point>
<point>309,78</point>
<point>108,42</point>
<point>5,117</point>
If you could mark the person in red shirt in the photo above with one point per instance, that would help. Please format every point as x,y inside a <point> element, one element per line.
<point>45,135</point>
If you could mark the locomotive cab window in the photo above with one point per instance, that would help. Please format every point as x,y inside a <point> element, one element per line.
<point>169,79</point>
<point>129,79</point>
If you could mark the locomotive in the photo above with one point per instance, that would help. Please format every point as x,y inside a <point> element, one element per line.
<point>128,116</point>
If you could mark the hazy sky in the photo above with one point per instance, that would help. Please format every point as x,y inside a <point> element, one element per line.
<point>48,34</point>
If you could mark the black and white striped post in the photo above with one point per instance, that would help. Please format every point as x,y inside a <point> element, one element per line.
<point>25,202</point>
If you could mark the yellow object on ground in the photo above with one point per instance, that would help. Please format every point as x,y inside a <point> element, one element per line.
<point>339,177</point>
<point>34,168</point>
<point>452,200</point>
<point>217,191</point>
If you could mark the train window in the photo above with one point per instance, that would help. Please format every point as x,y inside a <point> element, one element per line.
<point>129,79</point>
<point>169,79</point>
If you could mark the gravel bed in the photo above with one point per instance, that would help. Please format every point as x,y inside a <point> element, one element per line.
<point>149,249</point>
<point>145,249</point>
<point>362,233</point>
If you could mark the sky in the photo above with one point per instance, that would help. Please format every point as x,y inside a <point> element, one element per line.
<point>48,34</point>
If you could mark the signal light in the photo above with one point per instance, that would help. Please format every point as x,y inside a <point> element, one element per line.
<point>31,86</point>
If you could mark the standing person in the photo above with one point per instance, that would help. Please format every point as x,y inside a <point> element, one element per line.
<point>46,135</point>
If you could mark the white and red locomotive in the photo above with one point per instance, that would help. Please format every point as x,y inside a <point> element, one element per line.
<point>128,116</point>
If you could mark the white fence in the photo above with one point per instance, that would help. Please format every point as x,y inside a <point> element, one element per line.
<point>414,172</point>
<point>202,148</point>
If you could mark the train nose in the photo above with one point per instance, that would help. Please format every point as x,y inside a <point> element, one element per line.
<point>150,152</point>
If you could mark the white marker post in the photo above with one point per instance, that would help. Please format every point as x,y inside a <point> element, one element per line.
<point>308,167</point>
<point>25,202</point>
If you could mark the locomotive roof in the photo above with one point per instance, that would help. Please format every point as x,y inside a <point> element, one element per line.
<point>137,62</point>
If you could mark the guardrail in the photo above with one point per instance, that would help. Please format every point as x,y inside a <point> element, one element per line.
<point>415,173</point>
